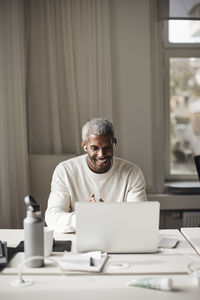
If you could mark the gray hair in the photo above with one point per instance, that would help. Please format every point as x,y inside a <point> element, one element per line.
<point>97,126</point>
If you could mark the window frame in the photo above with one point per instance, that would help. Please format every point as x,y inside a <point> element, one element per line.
<point>173,50</point>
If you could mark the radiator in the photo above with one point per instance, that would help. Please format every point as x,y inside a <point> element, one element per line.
<point>191,219</point>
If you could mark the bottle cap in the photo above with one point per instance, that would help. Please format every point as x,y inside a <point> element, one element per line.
<point>31,204</point>
<point>166,283</point>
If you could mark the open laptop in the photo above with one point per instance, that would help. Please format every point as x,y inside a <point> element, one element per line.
<point>117,227</point>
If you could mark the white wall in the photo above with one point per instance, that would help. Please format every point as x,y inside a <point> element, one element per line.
<point>131,53</point>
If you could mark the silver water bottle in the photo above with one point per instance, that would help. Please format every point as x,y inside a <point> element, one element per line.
<point>33,233</point>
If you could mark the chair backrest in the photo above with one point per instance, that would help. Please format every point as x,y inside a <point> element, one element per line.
<point>197,164</point>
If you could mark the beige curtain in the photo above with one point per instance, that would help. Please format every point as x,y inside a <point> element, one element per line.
<point>68,71</point>
<point>55,73</point>
<point>13,139</point>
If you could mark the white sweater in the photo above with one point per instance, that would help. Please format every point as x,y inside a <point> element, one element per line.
<point>73,181</point>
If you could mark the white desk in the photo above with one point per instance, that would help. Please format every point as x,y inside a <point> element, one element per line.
<point>103,285</point>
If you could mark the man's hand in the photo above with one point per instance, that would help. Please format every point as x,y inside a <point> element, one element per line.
<point>92,199</point>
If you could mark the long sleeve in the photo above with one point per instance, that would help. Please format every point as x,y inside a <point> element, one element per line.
<point>58,215</point>
<point>136,192</point>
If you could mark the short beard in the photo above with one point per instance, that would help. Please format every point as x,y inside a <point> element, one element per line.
<point>93,164</point>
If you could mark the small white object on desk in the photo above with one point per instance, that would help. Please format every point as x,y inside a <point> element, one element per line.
<point>48,241</point>
<point>168,243</point>
<point>194,271</point>
<point>158,283</point>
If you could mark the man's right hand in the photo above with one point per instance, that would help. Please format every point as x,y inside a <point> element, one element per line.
<point>91,198</point>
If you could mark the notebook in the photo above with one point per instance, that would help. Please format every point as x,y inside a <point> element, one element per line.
<point>92,261</point>
<point>117,227</point>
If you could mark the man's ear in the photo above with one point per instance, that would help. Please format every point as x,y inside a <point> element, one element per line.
<point>115,141</point>
<point>83,146</point>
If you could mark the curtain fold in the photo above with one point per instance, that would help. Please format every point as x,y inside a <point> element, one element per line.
<point>178,9</point>
<point>13,138</point>
<point>69,71</point>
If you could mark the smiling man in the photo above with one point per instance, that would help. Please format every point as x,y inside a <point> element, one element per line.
<point>100,152</point>
<point>95,176</point>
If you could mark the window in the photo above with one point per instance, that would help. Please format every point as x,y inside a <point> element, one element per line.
<point>181,49</point>
<point>184,31</point>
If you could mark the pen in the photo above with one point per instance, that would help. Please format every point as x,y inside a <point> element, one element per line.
<point>91,261</point>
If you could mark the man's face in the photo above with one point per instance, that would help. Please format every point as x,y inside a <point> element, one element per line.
<point>100,152</point>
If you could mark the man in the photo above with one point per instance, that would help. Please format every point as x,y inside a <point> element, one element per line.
<point>97,175</point>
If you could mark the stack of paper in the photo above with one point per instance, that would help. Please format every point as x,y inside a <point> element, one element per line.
<point>90,261</point>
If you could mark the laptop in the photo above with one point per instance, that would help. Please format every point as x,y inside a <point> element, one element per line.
<point>125,227</point>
